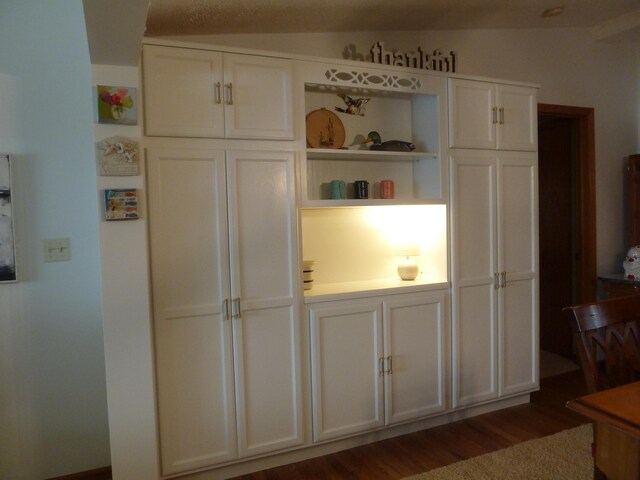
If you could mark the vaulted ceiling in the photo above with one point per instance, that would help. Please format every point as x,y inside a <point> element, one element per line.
<point>115,27</point>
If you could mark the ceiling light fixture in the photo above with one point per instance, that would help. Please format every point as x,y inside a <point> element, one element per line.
<point>552,12</point>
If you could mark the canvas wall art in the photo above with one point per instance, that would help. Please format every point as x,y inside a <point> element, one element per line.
<point>7,239</point>
<point>121,204</point>
<point>116,105</point>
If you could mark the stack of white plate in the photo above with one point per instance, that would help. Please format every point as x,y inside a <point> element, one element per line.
<point>307,273</point>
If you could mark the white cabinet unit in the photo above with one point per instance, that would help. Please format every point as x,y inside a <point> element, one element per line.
<point>492,116</point>
<point>494,275</point>
<point>377,362</point>
<point>203,93</point>
<point>222,230</point>
<point>405,106</point>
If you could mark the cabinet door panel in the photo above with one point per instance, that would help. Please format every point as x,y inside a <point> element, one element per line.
<point>261,90</point>
<point>346,347</point>
<point>262,216</point>
<point>414,335</point>
<point>180,92</point>
<point>475,347</point>
<point>474,222</point>
<point>195,392</point>
<point>518,128</point>
<point>517,218</point>
<point>268,380</point>
<point>188,235</point>
<point>519,352</point>
<point>471,115</point>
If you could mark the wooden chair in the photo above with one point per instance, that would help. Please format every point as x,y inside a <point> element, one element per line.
<point>607,334</point>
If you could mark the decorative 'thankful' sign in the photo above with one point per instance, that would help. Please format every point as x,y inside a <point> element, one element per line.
<point>425,61</point>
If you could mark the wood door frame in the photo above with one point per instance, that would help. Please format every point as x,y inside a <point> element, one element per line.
<point>586,267</point>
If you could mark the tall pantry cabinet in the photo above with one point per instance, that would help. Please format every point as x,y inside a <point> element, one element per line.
<point>223,233</point>
<point>494,231</point>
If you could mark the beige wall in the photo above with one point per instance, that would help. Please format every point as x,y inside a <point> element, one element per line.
<point>571,68</point>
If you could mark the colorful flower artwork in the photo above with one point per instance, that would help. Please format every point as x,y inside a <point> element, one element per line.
<point>116,105</point>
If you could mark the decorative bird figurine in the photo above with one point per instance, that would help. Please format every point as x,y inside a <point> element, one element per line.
<point>355,106</point>
<point>389,145</point>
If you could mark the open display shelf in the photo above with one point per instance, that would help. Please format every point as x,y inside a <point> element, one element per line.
<point>407,116</point>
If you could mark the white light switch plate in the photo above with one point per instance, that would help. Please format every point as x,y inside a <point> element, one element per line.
<point>57,249</point>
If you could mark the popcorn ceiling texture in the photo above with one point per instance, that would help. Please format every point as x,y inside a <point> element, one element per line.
<point>201,17</point>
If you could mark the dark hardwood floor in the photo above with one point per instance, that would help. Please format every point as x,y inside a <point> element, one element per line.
<point>418,452</point>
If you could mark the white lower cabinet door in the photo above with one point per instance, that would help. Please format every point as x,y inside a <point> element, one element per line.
<point>415,332</point>
<point>474,296</point>
<point>193,349</point>
<point>227,346</point>
<point>518,260</point>
<point>265,310</point>
<point>347,368</point>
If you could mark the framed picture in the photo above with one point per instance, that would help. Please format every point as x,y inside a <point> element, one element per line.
<point>116,105</point>
<point>7,239</point>
<point>121,204</point>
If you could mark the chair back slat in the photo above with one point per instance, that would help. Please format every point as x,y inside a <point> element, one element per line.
<point>607,334</point>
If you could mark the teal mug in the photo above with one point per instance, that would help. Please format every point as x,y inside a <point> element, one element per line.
<point>338,190</point>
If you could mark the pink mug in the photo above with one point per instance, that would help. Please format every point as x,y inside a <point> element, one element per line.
<point>386,189</point>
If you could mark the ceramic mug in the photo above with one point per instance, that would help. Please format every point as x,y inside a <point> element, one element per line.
<point>386,189</point>
<point>338,190</point>
<point>361,189</point>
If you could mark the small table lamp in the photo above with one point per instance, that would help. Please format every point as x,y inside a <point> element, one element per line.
<point>408,269</point>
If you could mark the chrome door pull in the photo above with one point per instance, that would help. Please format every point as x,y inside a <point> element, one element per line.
<point>238,313</point>
<point>389,365</point>
<point>226,308</point>
<point>229,88</point>
<point>217,96</point>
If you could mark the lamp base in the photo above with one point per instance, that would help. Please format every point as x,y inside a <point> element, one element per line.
<point>408,269</point>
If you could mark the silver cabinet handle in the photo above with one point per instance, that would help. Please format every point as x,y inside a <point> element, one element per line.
<point>217,96</point>
<point>229,88</point>
<point>504,279</point>
<point>381,366</point>
<point>501,115</point>
<point>389,365</point>
<point>496,280</point>
<point>494,115</point>
<point>226,308</point>
<point>238,314</point>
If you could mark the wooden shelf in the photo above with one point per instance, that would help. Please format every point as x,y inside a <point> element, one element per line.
<point>344,154</point>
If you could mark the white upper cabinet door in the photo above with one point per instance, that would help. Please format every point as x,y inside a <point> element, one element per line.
<point>190,272</point>
<point>471,114</point>
<point>415,350</point>
<point>265,310</point>
<point>182,92</point>
<point>258,97</point>
<point>517,118</point>
<point>490,116</point>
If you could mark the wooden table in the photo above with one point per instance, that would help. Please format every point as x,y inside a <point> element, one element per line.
<point>616,413</point>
